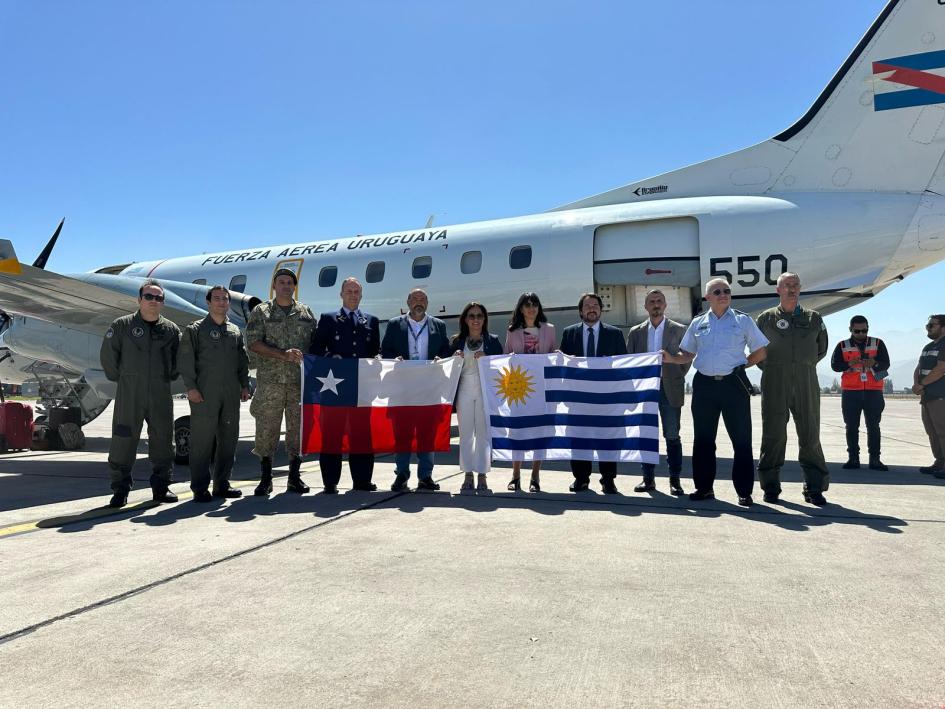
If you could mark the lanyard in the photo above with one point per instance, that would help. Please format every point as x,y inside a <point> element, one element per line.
<point>415,354</point>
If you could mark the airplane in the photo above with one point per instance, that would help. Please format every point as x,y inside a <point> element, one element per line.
<point>852,196</point>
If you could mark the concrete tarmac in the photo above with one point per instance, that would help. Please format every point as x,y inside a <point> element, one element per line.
<point>441,600</point>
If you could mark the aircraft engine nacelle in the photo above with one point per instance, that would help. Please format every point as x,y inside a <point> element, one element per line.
<point>188,297</point>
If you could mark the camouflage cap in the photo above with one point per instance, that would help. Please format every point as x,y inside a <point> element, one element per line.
<point>286,272</point>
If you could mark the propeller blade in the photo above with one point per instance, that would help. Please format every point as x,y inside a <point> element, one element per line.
<point>43,257</point>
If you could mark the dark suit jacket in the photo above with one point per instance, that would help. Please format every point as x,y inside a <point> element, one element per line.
<point>396,342</point>
<point>610,341</point>
<point>338,334</point>
<point>674,375</point>
<point>492,345</point>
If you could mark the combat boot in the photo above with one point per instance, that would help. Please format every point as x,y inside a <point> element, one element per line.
<point>853,463</point>
<point>265,481</point>
<point>877,464</point>
<point>675,485</point>
<point>295,483</point>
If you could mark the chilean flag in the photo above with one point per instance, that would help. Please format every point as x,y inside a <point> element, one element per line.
<point>377,406</point>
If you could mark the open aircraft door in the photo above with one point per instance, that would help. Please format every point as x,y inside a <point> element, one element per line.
<point>294,265</point>
<point>632,258</point>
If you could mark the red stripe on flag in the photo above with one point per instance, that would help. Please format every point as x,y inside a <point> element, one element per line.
<point>911,77</point>
<point>394,429</point>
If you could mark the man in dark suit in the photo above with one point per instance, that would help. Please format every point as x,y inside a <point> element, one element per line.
<point>592,338</point>
<point>414,336</point>
<point>652,335</point>
<point>347,333</point>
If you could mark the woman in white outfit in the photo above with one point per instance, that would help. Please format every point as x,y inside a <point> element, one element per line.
<point>473,342</point>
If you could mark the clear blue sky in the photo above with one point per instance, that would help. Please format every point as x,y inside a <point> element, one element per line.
<point>173,128</point>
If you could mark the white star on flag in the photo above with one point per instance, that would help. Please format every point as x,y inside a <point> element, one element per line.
<point>330,383</point>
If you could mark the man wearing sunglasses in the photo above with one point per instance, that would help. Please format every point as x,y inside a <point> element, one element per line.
<point>863,362</point>
<point>789,389</point>
<point>929,383</point>
<point>140,353</point>
<point>715,343</point>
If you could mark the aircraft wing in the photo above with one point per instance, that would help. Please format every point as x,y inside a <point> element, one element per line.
<point>81,303</point>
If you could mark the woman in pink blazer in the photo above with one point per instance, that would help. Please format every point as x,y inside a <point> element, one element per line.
<point>529,333</point>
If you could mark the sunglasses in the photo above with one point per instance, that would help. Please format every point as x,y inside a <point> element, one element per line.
<point>931,324</point>
<point>151,296</point>
<point>475,316</point>
<point>529,305</point>
<point>858,331</point>
<point>720,291</point>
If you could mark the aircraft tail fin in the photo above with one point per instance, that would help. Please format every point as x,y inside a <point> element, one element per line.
<point>879,125</point>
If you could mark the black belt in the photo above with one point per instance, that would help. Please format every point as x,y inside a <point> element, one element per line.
<point>716,377</point>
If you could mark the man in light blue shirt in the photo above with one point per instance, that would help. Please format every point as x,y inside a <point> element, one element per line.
<point>715,343</point>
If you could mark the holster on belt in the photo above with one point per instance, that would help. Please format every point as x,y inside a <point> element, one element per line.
<point>742,377</point>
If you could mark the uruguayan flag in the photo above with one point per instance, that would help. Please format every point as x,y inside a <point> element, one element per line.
<point>556,407</point>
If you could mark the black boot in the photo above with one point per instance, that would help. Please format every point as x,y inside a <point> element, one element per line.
<point>853,463</point>
<point>877,464</point>
<point>675,485</point>
<point>265,480</point>
<point>295,483</point>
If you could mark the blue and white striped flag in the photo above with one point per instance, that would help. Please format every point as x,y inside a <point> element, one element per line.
<point>556,407</point>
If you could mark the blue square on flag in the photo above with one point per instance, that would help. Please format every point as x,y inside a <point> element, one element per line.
<point>330,382</point>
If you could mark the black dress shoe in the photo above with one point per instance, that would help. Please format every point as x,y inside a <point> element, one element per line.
<point>877,464</point>
<point>365,487</point>
<point>851,464</point>
<point>645,486</point>
<point>746,501</point>
<point>815,498</point>
<point>203,496</point>
<point>119,499</point>
<point>609,488</point>
<point>230,493</point>
<point>930,469</point>
<point>675,486</point>
<point>162,494</point>
<point>330,490</point>
<point>700,495</point>
<point>578,487</point>
<point>772,497</point>
<point>427,484</point>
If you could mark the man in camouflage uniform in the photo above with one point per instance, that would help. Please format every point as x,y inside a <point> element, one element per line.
<point>279,332</point>
<point>789,387</point>
<point>140,353</point>
<point>215,370</point>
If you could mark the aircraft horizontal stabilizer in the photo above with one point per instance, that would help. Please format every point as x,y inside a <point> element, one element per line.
<point>8,260</point>
<point>76,304</point>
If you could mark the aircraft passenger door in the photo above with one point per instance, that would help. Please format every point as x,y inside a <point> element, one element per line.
<point>294,265</point>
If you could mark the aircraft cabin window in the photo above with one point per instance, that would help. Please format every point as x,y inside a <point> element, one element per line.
<point>471,262</point>
<point>374,272</point>
<point>520,257</point>
<point>327,276</point>
<point>422,266</point>
<point>200,282</point>
<point>238,284</point>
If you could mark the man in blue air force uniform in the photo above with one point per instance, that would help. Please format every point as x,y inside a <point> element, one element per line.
<point>352,334</point>
<point>715,343</point>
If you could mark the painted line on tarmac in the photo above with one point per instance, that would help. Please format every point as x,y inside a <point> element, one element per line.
<point>137,591</point>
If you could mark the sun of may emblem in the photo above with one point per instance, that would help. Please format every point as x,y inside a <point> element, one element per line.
<point>515,384</point>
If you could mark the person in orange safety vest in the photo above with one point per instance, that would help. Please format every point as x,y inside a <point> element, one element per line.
<point>864,363</point>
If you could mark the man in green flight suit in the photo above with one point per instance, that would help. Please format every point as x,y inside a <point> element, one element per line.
<point>789,387</point>
<point>278,334</point>
<point>215,370</point>
<point>140,353</point>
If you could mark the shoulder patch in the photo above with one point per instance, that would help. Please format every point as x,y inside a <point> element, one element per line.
<point>110,333</point>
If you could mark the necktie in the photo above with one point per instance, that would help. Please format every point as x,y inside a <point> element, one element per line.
<point>591,349</point>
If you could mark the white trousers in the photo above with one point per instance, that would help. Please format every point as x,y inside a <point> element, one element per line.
<point>475,451</point>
